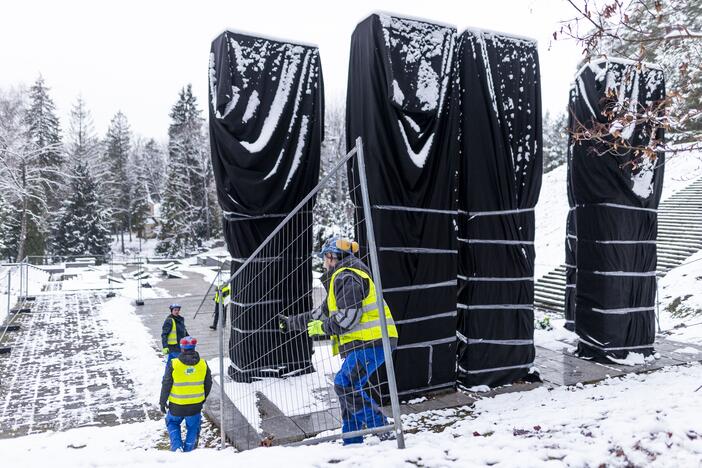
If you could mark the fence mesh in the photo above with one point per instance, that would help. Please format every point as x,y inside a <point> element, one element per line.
<point>287,387</point>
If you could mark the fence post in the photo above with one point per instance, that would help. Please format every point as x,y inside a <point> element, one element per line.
<point>370,233</point>
<point>220,336</point>
<point>9,291</point>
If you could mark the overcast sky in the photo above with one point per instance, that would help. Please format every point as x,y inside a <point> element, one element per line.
<point>134,56</point>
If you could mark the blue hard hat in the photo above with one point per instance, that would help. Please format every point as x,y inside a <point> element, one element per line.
<point>174,306</point>
<point>339,246</point>
<point>189,342</point>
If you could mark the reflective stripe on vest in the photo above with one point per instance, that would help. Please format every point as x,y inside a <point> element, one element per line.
<point>188,382</point>
<point>173,335</point>
<point>368,328</point>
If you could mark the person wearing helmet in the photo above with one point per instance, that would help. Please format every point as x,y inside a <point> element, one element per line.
<point>184,389</point>
<point>350,316</point>
<point>219,300</point>
<point>172,332</point>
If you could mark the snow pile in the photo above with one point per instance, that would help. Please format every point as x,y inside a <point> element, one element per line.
<point>146,369</point>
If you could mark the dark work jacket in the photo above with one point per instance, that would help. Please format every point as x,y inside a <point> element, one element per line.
<point>350,290</point>
<point>181,332</point>
<point>188,357</point>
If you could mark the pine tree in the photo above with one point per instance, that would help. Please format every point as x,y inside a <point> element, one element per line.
<point>188,213</point>
<point>139,196</point>
<point>9,229</point>
<point>117,151</point>
<point>555,140</point>
<point>44,133</point>
<point>154,164</point>
<point>84,226</point>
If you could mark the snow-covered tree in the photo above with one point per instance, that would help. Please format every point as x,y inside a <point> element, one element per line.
<point>44,133</point>
<point>555,140</point>
<point>154,163</point>
<point>668,33</point>
<point>333,202</point>
<point>24,177</point>
<point>139,196</point>
<point>8,229</point>
<point>188,211</point>
<point>117,149</point>
<point>84,226</point>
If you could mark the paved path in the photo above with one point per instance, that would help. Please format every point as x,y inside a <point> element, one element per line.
<point>65,370</point>
<point>188,293</point>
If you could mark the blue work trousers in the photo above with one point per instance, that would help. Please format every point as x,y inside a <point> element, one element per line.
<point>192,425</point>
<point>358,409</point>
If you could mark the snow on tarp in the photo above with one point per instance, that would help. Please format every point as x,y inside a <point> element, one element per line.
<point>400,80</point>
<point>266,126</point>
<point>616,195</point>
<point>499,184</point>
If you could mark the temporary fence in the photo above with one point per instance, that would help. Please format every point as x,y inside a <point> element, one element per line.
<point>286,387</point>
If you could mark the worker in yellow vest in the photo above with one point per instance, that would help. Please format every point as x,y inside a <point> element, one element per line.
<point>350,316</point>
<point>219,303</point>
<point>184,389</point>
<point>172,331</point>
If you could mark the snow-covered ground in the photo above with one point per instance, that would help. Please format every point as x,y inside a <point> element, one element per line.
<point>639,420</point>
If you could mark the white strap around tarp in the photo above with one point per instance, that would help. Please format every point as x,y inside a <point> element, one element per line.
<point>412,287</point>
<point>615,205</point>
<point>414,209</point>
<point>424,344</point>
<point>453,313</point>
<point>419,250</point>
<point>496,279</point>
<point>496,306</point>
<point>495,369</point>
<point>474,341</point>
<point>614,348</point>
<point>495,241</point>
<point>625,273</point>
<point>623,311</point>
<point>474,214</point>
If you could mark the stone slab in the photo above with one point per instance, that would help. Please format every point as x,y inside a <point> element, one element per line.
<point>236,428</point>
<point>318,421</point>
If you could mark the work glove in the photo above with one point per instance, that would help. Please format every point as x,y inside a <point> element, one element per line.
<point>164,408</point>
<point>165,351</point>
<point>283,323</point>
<point>314,328</point>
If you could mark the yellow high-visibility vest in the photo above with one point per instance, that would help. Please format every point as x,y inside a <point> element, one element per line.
<point>368,328</point>
<point>173,335</point>
<point>188,382</point>
<point>225,294</point>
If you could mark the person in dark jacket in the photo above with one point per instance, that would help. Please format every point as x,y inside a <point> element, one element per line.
<point>219,300</point>
<point>172,332</point>
<point>184,389</point>
<point>350,315</point>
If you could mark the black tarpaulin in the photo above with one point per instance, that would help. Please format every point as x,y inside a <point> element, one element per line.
<point>266,126</point>
<point>499,184</point>
<point>616,194</point>
<point>571,240</point>
<point>398,102</point>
